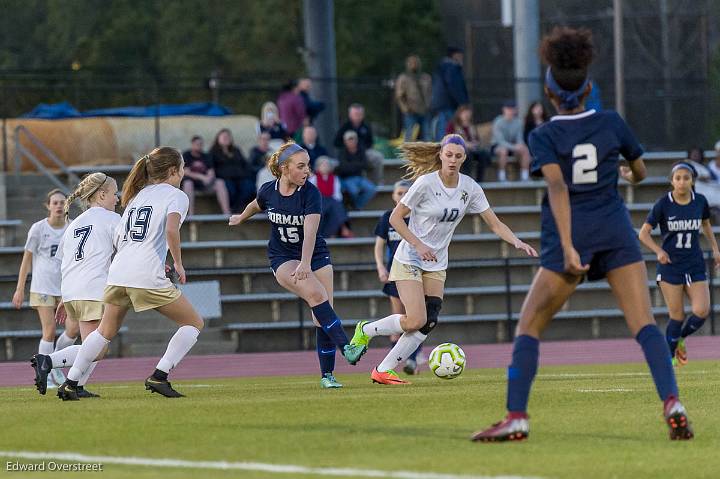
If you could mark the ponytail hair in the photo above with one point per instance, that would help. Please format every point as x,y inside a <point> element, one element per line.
<point>282,154</point>
<point>90,184</point>
<point>423,157</point>
<point>154,167</point>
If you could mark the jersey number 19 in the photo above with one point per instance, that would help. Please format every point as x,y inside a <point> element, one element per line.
<point>137,224</point>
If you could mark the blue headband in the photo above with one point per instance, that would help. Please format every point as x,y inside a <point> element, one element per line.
<point>686,166</point>
<point>568,99</point>
<point>455,140</point>
<point>288,152</point>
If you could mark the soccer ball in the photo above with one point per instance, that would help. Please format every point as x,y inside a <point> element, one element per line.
<point>447,361</point>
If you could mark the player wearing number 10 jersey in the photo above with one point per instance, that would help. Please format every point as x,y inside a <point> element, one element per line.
<point>155,208</point>
<point>586,230</point>
<point>299,258</point>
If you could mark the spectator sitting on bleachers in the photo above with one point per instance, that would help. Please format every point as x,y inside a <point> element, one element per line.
<point>260,153</point>
<point>352,164</point>
<point>412,94</point>
<point>291,107</point>
<point>234,169</point>
<point>312,145</point>
<point>536,116</point>
<point>448,90</point>
<point>462,125</point>
<point>714,165</point>
<point>334,217</point>
<point>508,140</point>
<point>312,107</point>
<point>200,177</point>
<point>270,122</point>
<point>356,123</point>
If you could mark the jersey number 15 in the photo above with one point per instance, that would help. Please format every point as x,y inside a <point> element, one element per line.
<point>289,234</point>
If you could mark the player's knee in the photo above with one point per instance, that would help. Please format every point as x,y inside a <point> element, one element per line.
<point>701,310</point>
<point>316,297</point>
<point>414,323</point>
<point>433,304</point>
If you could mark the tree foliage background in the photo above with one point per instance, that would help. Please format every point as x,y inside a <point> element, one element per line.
<point>139,51</point>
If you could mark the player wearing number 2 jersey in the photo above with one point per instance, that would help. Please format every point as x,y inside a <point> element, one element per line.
<point>681,215</point>
<point>155,208</point>
<point>436,203</point>
<point>299,258</point>
<point>586,230</point>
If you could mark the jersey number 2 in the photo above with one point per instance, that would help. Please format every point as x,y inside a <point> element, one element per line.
<point>585,164</point>
<point>82,233</point>
<point>289,235</point>
<point>688,241</point>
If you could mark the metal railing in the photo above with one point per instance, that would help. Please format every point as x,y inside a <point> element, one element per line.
<point>22,152</point>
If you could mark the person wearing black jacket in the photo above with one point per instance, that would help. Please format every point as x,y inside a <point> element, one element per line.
<point>448,90</point>
<point>234,169</point>
<point>356,123</point>
<point>353,162</point>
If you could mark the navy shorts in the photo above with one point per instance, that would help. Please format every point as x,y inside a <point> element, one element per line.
<point>390,289</point>
<point>600,261</point>
<point>668,275</point>
<point>319,260</point>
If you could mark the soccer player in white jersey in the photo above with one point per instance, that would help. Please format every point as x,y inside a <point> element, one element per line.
<point>42,244</point>
<point>155,208</point>
<point>436,203</point>
<point>85,253</point>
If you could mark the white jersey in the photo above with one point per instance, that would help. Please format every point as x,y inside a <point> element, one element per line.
<point>140,238</point>
<point>435,211</point>
<point>85,253</point>
<point>43,241</point>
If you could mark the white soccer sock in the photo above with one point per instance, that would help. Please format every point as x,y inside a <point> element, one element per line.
<point>525,175</point>
<point>501,175</point>
<point>84,379</point>
<point>46,347</point>
<point>386,326</point>
<point>405,346</point>
<point>178,347</point>
<point>90,349</point>
<point>64,341</point>
<point>65,358</point>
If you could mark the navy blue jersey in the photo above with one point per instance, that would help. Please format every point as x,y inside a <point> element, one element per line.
<point>287,216</point>
<point>392,238</point>
<point>680,226</point>
<point>587,147</point>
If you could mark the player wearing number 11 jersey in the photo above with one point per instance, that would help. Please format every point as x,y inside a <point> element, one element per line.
<point>586,230</point>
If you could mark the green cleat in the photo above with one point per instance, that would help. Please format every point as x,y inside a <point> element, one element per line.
<point>329,382</point>
<point>353,353</point>
<point>360,338</point>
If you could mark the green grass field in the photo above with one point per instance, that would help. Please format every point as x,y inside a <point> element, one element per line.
<point>587,421</point>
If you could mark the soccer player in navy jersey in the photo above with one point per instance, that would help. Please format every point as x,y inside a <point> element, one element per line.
<point>298,256</point>
<point>586,231</point>
<point>681,214</point>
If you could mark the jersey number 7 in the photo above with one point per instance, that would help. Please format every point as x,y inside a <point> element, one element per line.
<point>82,233</point>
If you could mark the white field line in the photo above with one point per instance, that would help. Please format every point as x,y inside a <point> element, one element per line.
<point>242,466</point>
<point>614,390</point>
<point>611,375</point>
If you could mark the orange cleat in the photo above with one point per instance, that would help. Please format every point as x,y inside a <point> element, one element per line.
<point>681,353</point>
<point>387,377</point>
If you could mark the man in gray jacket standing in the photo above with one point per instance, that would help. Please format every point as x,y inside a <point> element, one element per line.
<point>507,140</point>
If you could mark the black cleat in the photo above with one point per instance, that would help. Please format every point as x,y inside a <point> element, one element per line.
<point>163,387</point>
<point>42,364</point>
<point>66,392</point>
<point>83,393</point>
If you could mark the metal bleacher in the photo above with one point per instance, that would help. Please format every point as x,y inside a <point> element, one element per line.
<point>487,279</point>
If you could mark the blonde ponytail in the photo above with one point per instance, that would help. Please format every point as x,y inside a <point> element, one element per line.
<point>423,157</point>
<point>151,168</point>
<point>90,184</point>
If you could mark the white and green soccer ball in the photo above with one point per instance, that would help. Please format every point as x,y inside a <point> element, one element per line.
<point>447,361</point>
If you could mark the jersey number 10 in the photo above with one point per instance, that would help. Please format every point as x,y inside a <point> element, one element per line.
<point>450,215</point>
<point>585,164</point>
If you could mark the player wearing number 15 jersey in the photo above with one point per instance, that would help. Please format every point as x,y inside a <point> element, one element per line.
<point>155,208</point>
<point>436,203</point>
<point>586,230</point>
<point>298,256</point>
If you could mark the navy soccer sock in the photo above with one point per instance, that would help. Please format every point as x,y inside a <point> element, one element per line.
<point>330,322</point>
<point>672,334</point>
<point>693,324</point>
<point>659,361</point>
<point>325,351</point>
<point>521,372</point>
<point>413,356</point>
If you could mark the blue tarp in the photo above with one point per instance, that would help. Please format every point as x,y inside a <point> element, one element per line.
<point>66,110</point>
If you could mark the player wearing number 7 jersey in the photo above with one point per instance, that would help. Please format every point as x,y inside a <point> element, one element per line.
<point>298,256</point>
<point>586,230</point>
<point>436,203</point>
<point>155,208</point>
<point>681,215</point>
